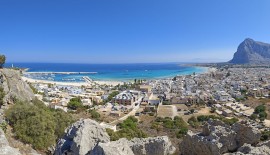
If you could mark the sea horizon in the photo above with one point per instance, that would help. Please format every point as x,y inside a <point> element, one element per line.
<point>105,72</point>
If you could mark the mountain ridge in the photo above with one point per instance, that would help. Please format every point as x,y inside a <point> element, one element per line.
<point>252,52</point>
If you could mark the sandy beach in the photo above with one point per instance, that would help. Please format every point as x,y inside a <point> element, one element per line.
<point>78,84</point>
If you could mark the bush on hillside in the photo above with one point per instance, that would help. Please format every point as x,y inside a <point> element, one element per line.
<point>2,95</point>
<point>94,114</point>
<point>204,118</point>
<point>128,129</point>
<point>36,124</point>
<point>260,112</point>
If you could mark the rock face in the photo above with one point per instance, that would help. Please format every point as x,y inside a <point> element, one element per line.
<point>87,137</point>
<point>218,138</point>
<point>81,138</point>
<point>119,147</point>
<point>14,86</point>
<point>5,149</point>
<point>152,145</point>
<point>252,52</point>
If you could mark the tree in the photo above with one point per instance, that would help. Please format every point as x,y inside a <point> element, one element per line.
<point>2,60</point>
<point>75,103</point>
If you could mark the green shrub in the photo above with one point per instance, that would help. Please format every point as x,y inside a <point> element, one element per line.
<point>3,126</point>
<point>36,124</point>
<point>265,135</point>
<point>262,115</point>
<point>182,132</point>
<point>2,95</point>
<point>204,118</point>
<point>75,103</point>
<point>230,121</point>
<point>128,129</point>
<point>253,116</point>
<point>94,114</point>
<point>260,108</point>
<point>260,112</point>
<point>193,122</point>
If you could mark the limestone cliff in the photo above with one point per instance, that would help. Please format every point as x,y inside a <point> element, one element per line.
<point>252,52</point>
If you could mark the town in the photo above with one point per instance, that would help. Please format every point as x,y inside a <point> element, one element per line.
<point>230,92</point>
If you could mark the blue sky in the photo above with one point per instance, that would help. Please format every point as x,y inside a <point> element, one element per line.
<point>127,31</point>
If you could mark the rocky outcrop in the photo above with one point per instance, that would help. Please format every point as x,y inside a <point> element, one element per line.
<point>218,138</point>
<point>119,147</point>
<point>246,134</point>
<point>87,137</point>
<point>81,138</point>
<point>252,52</point>
<point>14,86</point>
<point>247,149</point>
<point>152,145</point>
<point>5,149</point>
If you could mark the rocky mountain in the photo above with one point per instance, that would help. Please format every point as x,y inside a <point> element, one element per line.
<point>252,52</point>
<point>87,137</point>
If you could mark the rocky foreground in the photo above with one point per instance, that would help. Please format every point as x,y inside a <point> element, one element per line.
<point>87,137</point>
<point>218,138</point>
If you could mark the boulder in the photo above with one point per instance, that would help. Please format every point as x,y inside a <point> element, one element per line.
<point>81,138</point>
<point>247,149</point>
<point>119,147</point>
<point>5,149</point>
<point>246,134</point>
<point>87,137</point>
<point>152,146</point>
<point>218,138</point>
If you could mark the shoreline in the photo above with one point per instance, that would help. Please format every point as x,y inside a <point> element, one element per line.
<point>78,84</point>
<point>203,70</point>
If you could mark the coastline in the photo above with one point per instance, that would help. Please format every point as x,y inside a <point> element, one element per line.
<point>77,84</point>
<point>58,75</point>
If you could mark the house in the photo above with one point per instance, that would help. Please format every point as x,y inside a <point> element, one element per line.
<point>87,102</point>
<point>153,100</point>
<point>145,88</point>
<point>124,98</point>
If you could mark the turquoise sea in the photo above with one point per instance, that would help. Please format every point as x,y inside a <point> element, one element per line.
<point>106,72</point>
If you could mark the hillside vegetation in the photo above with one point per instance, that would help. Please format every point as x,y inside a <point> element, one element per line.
<point>36,124</point>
